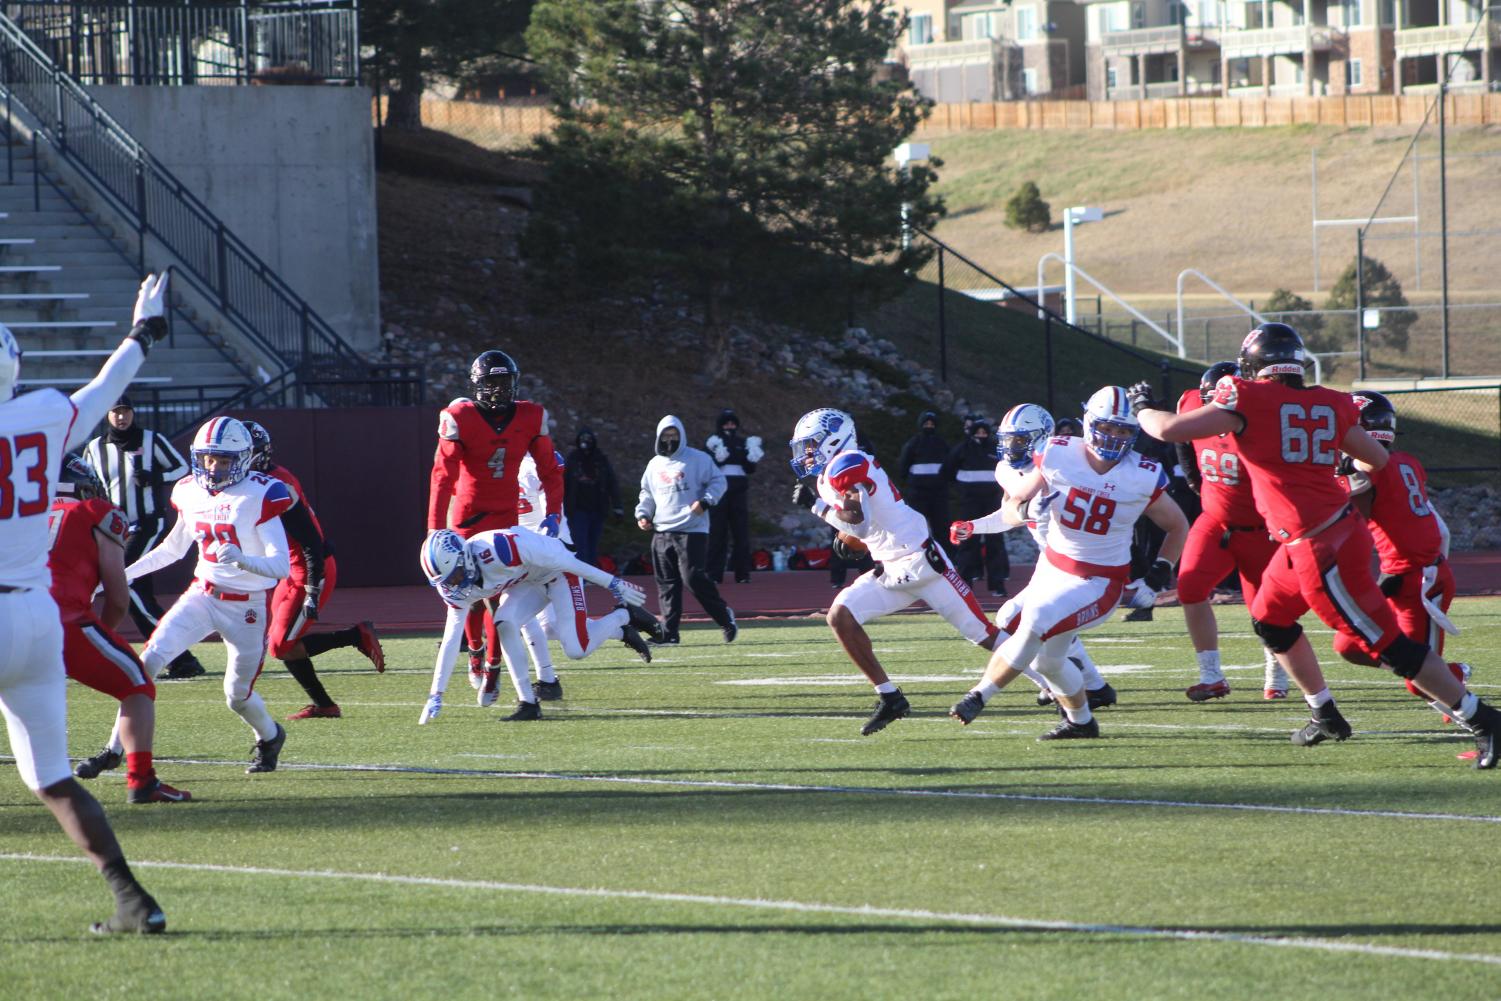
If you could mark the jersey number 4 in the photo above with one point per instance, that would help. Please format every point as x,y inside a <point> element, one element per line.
<point>1082,512</point>
<point>12,461</point>
<point>221,532</point>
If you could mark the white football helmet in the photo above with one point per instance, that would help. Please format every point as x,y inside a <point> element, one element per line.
<point>818,437</point>
<point>221,436</point>
<point>1023,430</point>
<point>10,363</point>
<point>447,563</point>
<point>1110,428</point>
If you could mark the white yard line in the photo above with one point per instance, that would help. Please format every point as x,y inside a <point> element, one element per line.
<point>865,912</point>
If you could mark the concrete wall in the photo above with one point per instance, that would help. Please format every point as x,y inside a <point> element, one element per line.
<point>290,170</point>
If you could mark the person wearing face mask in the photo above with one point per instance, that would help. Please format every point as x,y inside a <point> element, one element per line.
<point>679,486</point>
<point>971,464</point>
<point>590,494</point>
<point>920,466</point>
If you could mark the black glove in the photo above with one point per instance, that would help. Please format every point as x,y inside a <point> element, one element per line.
<point>1346,465</point>
<point>1141,398</point>
<point>804,496</point>
<point>1157,578</point>
<point>148,332</point>
<point>310,603</point>
<point>845,553</point>
<point>1390,584</point>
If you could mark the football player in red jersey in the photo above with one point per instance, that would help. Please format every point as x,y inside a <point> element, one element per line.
<point>1229,534</point>
<point>1289,437</point>
<point>474,480</point>
<point>298,597</point>
<point>88,552</point>
<point>1412,540</point>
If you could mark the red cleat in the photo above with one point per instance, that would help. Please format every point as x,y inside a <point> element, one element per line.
<point>317,712</point>
<point>369,645</point>
<point>156,791</point>
<point>1274,693</point>
<point>1204,692</point>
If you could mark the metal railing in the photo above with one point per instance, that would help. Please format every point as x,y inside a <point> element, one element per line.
<point>164,43</point>
<point>154,203</point>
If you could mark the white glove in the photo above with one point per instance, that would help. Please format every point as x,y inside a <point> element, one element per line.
<point>716,447</point>
<point>627,593</point>
<point>152,298</point>
<point>753,452</point>
<point>229,554</point>
<point>1138,595</point>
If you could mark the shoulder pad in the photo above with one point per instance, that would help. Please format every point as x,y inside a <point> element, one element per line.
<point>1227,392</point>
<point>448,425</point>
<point>848,470</point>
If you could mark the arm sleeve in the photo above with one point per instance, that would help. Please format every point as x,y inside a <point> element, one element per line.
<point>275,563</point>
<point>440,489</point>
<point>859,529</point>
<point>448,648</point>
<point>646,506</point>
<point>549,472</point>
<point>1190,463</point>
<point>173,547</point>
<point>299,527</point>
<point>103,391</point>
<point>992,524</point>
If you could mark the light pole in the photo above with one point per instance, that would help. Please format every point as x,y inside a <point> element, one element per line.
<point>1077,214</point>
<point>908,153</point>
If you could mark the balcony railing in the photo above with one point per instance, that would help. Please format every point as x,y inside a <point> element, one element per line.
<point>1245,43</point>
<point>974,50</point>
<point>1438,39</point>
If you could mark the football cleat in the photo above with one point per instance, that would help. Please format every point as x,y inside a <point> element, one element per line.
<point>141,916</point>
<point>156,791</point>
<point>106,760</point>
<point>431,710</point>
<point>184,667</point>
<point>1486,726</point>
<point>311,711</point>
<point>664,641</point>
<point>1327,722</point>
<point>476,669</point>
<point>1271,694</point>
<point>369,645</point>
<point>890,706</point>
<point>1101,697</point>
<point>1067,729</point>
<point>644,621</point>
<point>266,753</point>
<point>732,630</point>
<point>1206,690</point>
<point>525,711</point>
<point>551,691</point>
<point>1045,697</point>
<point>967,708</point>
<point>490,690</point>
<point>631,638</point>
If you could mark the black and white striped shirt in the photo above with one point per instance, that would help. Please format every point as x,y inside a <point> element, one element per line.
<point>121,470</point>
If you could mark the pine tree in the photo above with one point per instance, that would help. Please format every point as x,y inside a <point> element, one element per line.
<point>1380,288</point>
<point>1026,210</point>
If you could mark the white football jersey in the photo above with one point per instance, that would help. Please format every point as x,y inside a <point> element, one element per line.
<point>247,514</point>
<point>1091,514</point>
<point>34,429</point>
<point>510,556</point>
<point>891,529</point>
<point>531,506</point>
<point>1037,511</point>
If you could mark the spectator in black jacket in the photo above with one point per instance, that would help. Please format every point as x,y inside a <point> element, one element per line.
<point>920,467</point>
<point>590,494</point>
<point>729,520</point>
<point>972,465</point>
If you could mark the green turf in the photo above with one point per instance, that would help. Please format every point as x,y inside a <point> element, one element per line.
<point>743,841</point>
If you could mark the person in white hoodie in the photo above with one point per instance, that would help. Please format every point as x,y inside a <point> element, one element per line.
<point>679,486</point>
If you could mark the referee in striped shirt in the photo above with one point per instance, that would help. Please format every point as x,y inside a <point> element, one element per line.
<point>136,465</point>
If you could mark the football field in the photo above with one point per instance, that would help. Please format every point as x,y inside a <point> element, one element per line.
<point>713,826</point>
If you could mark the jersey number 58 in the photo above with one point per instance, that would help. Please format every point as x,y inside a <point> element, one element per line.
<point>1083,513</point>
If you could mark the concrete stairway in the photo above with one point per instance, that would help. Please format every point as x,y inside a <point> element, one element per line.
<point>67,288</point>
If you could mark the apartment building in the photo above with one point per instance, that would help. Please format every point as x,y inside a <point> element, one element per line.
<point>958,51</point>
<point>1137,49</point>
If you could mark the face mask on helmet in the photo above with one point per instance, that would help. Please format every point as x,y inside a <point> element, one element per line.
<point>221,454</point>
<point>818,437</point>
<point>448,565</point>
<point>1109,426</point>
<point>1377,416</point>
<point>492,379</point>
<point>1023,430</point>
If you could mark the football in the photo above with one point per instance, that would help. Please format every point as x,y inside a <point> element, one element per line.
<point>851,542</point>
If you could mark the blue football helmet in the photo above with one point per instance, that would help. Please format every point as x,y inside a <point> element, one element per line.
<point>1110,428</point>
<point>818,437</point>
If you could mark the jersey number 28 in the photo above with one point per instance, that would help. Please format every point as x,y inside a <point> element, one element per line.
<point>221,532</point>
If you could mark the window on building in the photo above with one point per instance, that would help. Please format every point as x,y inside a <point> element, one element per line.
<point>1255,14</point>
<point>1138,14</point>
<point>1387,12</point>
<point>1029,80</point>
<point>1112,78</point>
<point>1208,14</point>
<point>1353,73</point>
<point>1112,18</point>
<point>920,30</point>
<point>1352,13</point>
<point>1026,24</point>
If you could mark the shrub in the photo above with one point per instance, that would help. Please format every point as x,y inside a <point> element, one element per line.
<point>1026,210</point>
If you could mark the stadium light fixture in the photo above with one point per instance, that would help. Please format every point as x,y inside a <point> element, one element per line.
<point>908,153</point>
<point>1078,214</point>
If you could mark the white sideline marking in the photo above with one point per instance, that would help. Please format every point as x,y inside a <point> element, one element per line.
<point>805,907</point>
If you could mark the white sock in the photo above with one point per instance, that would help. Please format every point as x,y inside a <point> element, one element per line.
<point>985,690</point>
<point>1079,716</point>
<point>1276,677</point>
<point>546,673</point>
<point>886,688</point>
<point>1467,707</point>
<point>1319,698</point>
<point>1209,667</point>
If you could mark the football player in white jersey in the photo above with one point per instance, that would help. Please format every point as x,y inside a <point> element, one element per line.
<point>1021,435</point>
<point>525,572</point>
<point>234,516</point>
<point>855,496</point>
<point>36,431</point>
<point>531,507</point>
<point>1095,488</point>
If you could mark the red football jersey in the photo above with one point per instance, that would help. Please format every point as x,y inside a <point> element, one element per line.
<point>295,550</point>
<point>1225,487</point>
<point>1290,443</point>
<point>74,559</point>
<point>1402,521</point>
<point>477,464</point>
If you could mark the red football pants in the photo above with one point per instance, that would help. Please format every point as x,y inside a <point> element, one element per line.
<point>1213,550</point>
<point>97,657</point>
<point>288,623</point>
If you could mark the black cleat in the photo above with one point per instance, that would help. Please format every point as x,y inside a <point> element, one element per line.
<point>264,756</point>
<point>1099,698</point>
<point>184,667</point>
<point>1067,729</point>
<point>138,917</point>
<point>732,630</point>
<point>967,708</point>
<point>644,621</point>
<point>525,711</point>
<point>549,691</point>
<point>663,641</point>
<point>1139,615</point>
<point>1327,722</point>
<point>632,639</point>
<point>1045,697</point>
<point>105,761</point>
<point>890,706</point>
<point>1486,726</point>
